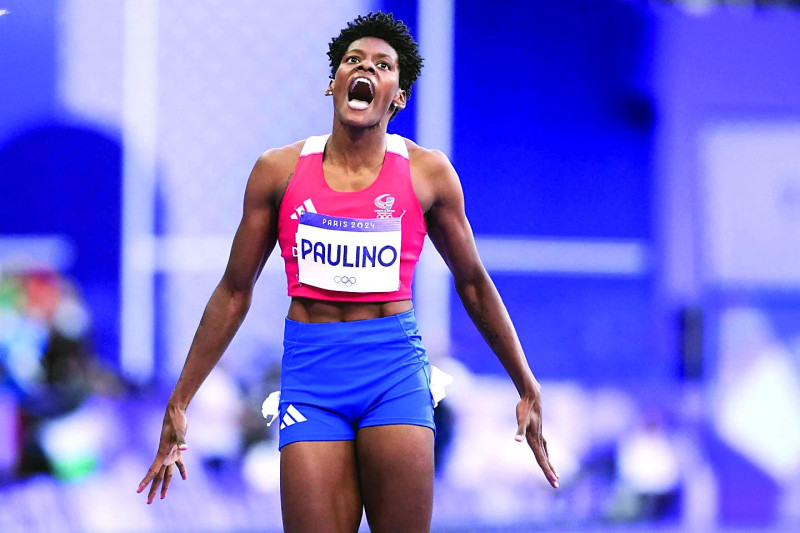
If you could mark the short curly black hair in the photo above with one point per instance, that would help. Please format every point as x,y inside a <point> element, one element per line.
<point>394,32</point>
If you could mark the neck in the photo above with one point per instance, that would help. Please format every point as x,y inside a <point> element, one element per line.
<point>356,148</point>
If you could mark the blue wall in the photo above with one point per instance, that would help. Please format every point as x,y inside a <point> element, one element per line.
<point>555,95</point>
<point>552,137</point>
<point>58,175</point>
<point>27,61</point>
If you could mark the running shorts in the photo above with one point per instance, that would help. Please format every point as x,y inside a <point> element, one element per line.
<point>339,377</point>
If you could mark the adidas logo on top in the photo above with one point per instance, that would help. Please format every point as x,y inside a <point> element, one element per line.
<point>307,206</point>
<point>291,417</point>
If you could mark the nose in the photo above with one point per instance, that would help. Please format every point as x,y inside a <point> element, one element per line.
<point>367,65</point>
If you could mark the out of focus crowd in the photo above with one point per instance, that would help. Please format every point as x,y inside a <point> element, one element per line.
<point>67,416</point>
<point>71,430</point>
<point>48,374</point>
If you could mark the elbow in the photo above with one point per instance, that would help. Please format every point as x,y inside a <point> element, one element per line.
<point>236,299</point>
<point>240,304</point>
<point>471,285</point>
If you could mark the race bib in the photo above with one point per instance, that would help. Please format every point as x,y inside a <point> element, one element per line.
<point>349,254</point>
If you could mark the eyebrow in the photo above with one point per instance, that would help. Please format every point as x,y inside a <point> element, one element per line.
<point>362,52</point>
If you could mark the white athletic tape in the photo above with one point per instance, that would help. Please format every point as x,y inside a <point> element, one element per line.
<point>439,380</point>
<point>270,407</point>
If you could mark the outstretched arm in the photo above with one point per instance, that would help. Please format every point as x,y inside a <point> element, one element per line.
<point>451,233</point>
<point>255,238</point>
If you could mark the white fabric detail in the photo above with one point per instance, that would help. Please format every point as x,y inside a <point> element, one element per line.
<point>439,380</point>
<point>307,207</point>
<point>271,407</point>
<point>292,410</point>
<point>397,145</point>
<point>394,143</point>
<point>314,145</point>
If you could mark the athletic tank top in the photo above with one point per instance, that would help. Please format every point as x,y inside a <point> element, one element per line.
<point>357,246</point>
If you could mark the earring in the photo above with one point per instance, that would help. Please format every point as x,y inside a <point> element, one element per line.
<point>328,91</point>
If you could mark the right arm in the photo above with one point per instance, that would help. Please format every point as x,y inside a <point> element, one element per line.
<point>254,240</point>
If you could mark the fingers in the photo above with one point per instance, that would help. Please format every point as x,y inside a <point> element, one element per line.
<point>167,480</point>
<point>539,447</point>
<point>152,473</point>
<point>547,453</point>
<point>145,481</point>
<point>160,474</point>
<point>173,442</point>
<point>181,469</point>
<point>156,483</point>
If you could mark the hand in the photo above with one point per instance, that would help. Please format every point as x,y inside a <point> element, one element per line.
<point>173,434</point>
<point>529,421</point>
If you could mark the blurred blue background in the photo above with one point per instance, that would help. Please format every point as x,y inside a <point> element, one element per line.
<point>632,174</point>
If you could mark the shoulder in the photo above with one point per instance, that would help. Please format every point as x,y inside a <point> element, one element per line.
<point>426,161</point>
<point>273,169</point>
<point>433,167</point>
<point>433,177</point>
<point>280,161</point>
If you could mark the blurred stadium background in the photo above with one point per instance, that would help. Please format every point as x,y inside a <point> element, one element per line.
<point>632,174</point>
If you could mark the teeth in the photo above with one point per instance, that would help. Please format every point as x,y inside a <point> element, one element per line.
<point>365,80</point>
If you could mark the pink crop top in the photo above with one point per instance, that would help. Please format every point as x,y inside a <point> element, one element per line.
<point>357,246</point>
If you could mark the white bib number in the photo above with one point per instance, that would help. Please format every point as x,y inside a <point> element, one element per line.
<point>349,254</point>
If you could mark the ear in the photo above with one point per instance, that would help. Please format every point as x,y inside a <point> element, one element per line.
<point>329,90</point>
<point>399,100</point>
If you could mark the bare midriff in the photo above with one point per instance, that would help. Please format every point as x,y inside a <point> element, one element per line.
<point>320,311</point>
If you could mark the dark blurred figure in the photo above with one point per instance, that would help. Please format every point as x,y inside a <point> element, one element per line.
<point>444,418</point>
<point>46,359</point>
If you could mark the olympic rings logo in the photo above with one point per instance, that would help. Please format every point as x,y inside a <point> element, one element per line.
<point>347,281</point>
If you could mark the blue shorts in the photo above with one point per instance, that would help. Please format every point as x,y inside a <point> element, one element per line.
<point>339,377</point>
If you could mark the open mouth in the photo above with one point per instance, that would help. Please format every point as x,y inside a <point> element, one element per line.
<point>360,93</point>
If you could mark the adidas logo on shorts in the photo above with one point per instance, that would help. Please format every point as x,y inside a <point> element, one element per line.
<point>292,416</point>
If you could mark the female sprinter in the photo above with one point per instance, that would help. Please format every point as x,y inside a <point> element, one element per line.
<point>350,211</point>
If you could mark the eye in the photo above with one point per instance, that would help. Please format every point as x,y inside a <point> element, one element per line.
<point>384,65</point>
<point>351,59</point>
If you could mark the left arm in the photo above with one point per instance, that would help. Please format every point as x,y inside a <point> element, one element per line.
<point>452,236</point>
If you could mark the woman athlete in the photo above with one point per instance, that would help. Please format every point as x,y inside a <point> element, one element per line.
<point>350,211</point>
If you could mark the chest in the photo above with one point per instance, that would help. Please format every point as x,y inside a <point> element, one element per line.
<point>386,191</point>
<point>340,180</point>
